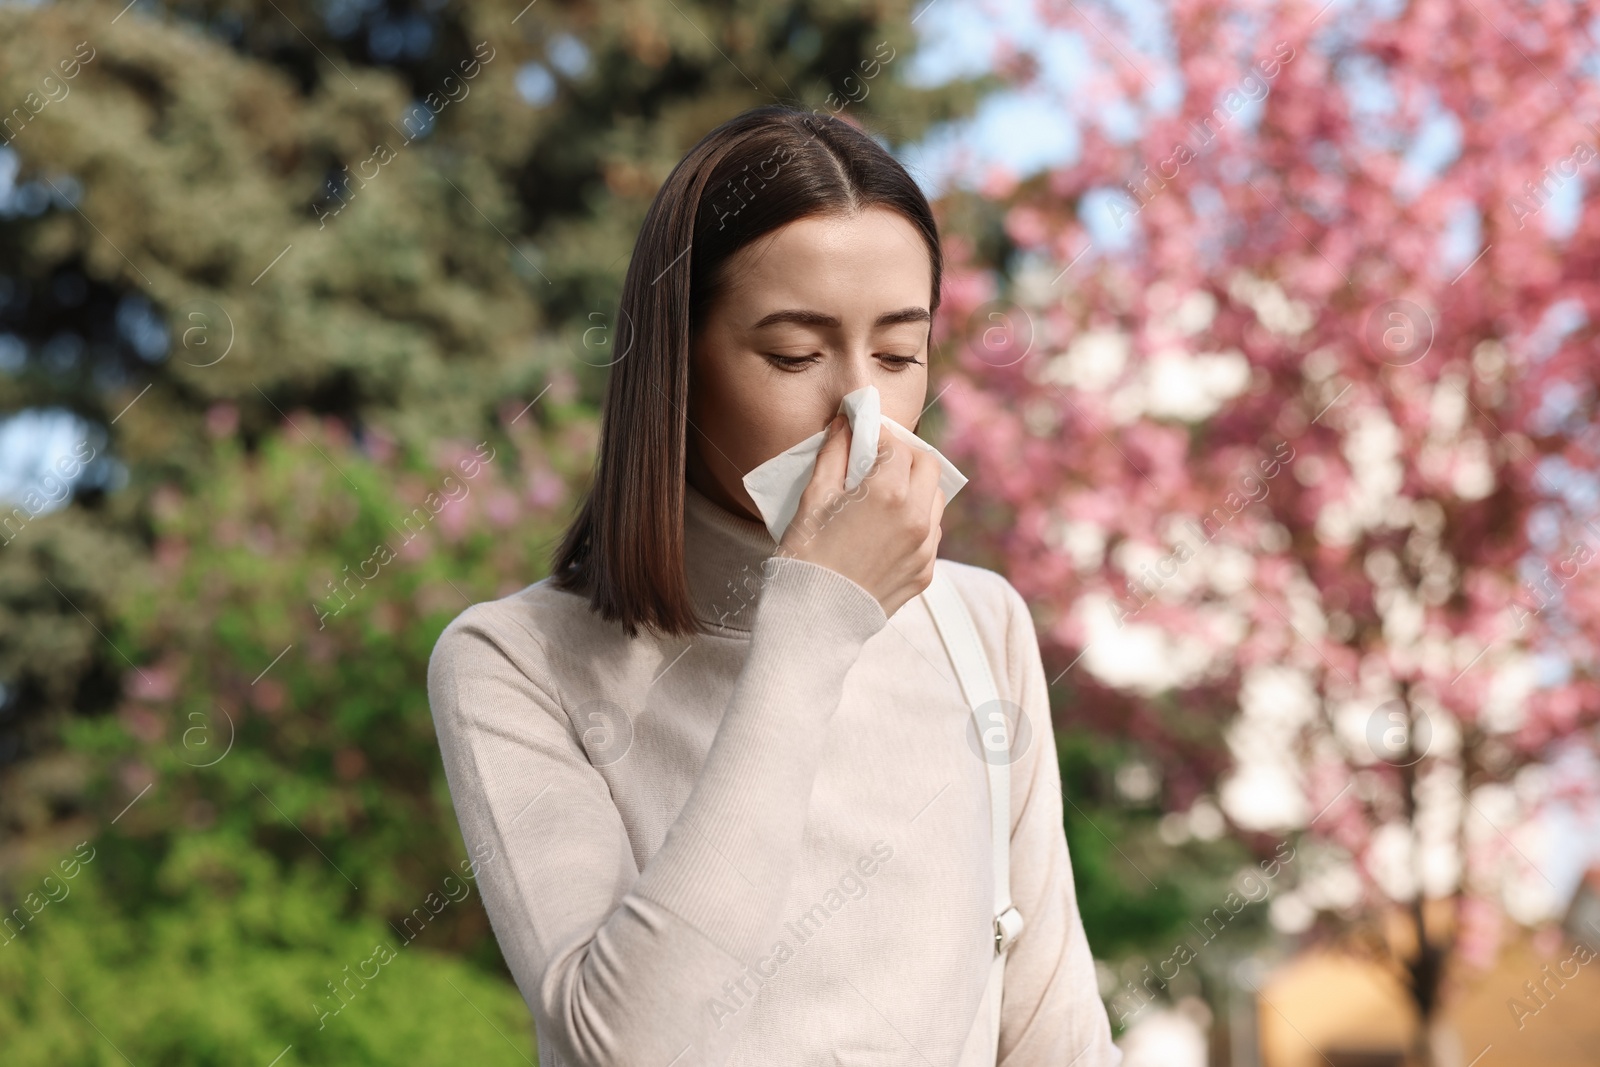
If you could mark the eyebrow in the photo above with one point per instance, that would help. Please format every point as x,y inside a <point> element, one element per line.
<point>817,318</point>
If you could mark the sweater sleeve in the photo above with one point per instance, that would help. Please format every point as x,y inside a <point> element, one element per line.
<point>1051,1012</point>
<point>620,966</point>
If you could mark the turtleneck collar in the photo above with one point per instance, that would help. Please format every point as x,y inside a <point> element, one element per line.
<point>723,553</point>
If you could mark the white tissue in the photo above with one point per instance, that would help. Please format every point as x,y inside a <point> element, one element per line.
<point>776,485</point>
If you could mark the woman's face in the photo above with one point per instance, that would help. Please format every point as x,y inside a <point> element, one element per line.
<point>816,309</point>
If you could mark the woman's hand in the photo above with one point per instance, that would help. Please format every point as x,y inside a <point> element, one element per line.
<point>884,535</point>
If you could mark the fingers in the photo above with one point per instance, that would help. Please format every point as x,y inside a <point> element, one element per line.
<point>930,544</point>
<point>892,470</point>
<point>924,476</point>
<point>936,501</point>
<point>834,455</point>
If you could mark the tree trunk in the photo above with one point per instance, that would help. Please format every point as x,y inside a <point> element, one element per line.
<point>1425,970</point>
<point>1434,1044</point>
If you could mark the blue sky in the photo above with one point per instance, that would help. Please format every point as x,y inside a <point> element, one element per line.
<point>1024,131</point>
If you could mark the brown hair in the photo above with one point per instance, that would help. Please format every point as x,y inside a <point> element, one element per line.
<point>756,172</point>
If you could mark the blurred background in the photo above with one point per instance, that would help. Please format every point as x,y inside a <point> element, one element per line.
<point>1268,343</point>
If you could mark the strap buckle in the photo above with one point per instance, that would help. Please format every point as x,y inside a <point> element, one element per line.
<point>1007,925</point>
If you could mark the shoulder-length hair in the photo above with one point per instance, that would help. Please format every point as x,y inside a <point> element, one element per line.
<point>756,172</point>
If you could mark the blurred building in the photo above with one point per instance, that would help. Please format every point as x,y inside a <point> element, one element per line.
<point>1538,1006</point>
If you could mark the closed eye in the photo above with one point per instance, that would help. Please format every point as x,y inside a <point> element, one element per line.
<point>793,363</point>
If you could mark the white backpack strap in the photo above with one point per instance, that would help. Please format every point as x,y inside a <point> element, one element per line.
<point>960,637</point>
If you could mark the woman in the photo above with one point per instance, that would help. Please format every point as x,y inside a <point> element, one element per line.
<point>719,786</point>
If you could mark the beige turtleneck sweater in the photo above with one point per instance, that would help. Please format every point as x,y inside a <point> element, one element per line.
<point>767,845</point>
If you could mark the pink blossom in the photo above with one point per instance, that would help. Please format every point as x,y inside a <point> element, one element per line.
<point>222,420</point>
<point>501,508</point>
<point>454,518</point>
<point>1406,376</point>
<point>545,488</point>
<point>157,684</point>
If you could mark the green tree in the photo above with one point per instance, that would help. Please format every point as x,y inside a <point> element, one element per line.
<point>202,215</point>
<point>287,305</point>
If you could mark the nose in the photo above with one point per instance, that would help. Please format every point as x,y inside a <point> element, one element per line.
<point>855,373</point>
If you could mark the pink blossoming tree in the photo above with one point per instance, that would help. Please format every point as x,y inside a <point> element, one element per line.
<point>1287,408</point>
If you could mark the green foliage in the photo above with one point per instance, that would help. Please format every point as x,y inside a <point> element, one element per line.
<point>230,962</point>
<point>215,667</point>
<point>293,605</point>
<point>296,815</point>
<point>1138,893</point>
<point>190,170</point>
